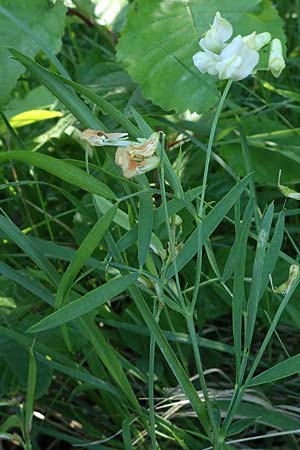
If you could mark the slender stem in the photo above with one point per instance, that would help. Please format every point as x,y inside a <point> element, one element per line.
<point>156,314</point>
<point>196,351</point>
<point>170,234</point>
<point>202,198</point>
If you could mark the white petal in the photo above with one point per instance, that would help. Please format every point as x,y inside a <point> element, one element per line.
<point>227,67</point>
<point>223,28</point>
<point>262,39</point>
<point>217,35</point>
<point>250,59</point>
<point>237,60</point>
<point>205,62</point>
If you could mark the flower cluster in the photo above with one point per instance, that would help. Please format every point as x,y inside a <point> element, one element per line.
<point>237,59</point>
<point>134,158</point>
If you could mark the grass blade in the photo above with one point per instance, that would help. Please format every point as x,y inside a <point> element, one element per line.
<point>104,106</point>
<point>73,103</point>
<point>287,368</point>
<point>61,169</point>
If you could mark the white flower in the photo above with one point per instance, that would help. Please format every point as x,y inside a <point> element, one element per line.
<point>276,61</point>
<point>139,157</point>
<point>217,35</point>
<point>99,138</point>
<point>237,60</point>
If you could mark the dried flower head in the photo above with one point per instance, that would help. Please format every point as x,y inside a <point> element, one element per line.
<point>139,157</point>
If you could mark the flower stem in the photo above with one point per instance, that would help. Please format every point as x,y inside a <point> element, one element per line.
<point>204,182</point>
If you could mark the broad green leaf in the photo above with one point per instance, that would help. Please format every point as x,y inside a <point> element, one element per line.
<point>68,97</point>
<point>87,247</point>
<point>61,169</point>
<point>213,219</point>
<point>29,26</point>
<point>77,308</point>
<point>161,36</point>
<point>33,116</point>
<point>287,368</point>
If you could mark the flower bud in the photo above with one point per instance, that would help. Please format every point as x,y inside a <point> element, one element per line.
<point>276,61</point>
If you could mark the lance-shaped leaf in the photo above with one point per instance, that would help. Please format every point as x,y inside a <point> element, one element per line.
<point>88,302</point>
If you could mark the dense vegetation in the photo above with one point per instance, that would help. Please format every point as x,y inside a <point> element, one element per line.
<point>156,311</point>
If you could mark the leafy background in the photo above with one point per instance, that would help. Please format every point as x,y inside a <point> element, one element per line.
<point>93,371</point>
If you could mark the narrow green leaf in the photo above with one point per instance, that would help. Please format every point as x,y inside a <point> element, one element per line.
<point>76,106</point>
<point>287,368</point>
<point>171,358</point>
<point>238,301</point>
<point>273,251</point>
<point>13,233</point>
<point>213,219</point>
<point>31,382</point>
<point>87,247</point>
<point>108,356</point>
<point>163,344</point>
<point>81,375</point>
<point>32,285</point>
<point>83,305</point>
<point>144,226</point>
<point>56,361</point>
<point>104,105</point>
<point>240,425</point>
<point>257,274</point>
<point>61,169</point>
<point>126,435</point>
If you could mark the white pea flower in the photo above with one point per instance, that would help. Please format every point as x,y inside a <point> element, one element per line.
<point>217,35</point>
<point>138,157</point>
<point>237,60</point>
<point>276,61</point>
